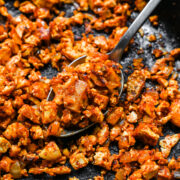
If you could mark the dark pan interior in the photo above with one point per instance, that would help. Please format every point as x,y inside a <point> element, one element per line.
<point>169,27</point>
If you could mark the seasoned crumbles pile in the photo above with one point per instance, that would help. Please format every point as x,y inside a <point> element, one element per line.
<point>30,125</point>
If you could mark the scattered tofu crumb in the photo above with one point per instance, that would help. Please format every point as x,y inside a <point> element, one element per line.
<point>140,4</point>
<point>132,117</point>
<point>151,38</point>
<point>154,20</point>
<point>157,53</point>
<point>141,32</point>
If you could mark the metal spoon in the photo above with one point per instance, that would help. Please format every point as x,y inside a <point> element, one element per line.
<point>114,55</point>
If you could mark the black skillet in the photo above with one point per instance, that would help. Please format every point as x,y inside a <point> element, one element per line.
<point>169,27</point>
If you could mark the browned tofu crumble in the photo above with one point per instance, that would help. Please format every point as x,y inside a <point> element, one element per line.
<point>82,94</point>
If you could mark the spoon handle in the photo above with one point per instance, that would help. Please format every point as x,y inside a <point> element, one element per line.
<point>117,52</point>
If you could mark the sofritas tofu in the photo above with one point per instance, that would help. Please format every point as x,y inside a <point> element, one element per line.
<point>135,84</point>
<point>144,133</point>
<point>43,34</point>
<point>50,152</point>
<point>115,115</point>
<point>149,169</point>
<point>175,112</point>
<point>78,160</point>
<point>168,143</point>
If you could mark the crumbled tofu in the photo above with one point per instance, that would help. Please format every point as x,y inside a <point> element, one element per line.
<point>167,143</point>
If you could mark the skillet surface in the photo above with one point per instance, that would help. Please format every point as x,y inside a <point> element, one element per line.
<point>169,27</point>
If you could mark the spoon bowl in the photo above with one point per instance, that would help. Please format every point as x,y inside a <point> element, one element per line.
<point>66,132</point>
